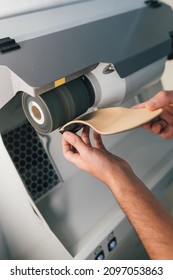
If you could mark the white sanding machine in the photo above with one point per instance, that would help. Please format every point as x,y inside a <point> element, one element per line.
<point>58,60</point>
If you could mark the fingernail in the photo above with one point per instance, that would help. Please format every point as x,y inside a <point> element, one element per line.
<point>66,135</point>
<point>151,104</point>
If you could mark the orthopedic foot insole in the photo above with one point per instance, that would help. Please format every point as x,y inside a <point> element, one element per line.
<point>112,120</point>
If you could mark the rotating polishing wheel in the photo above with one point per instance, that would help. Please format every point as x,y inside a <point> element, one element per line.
<point>56,107</point>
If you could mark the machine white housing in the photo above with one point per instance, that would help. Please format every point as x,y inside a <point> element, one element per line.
<point>49,209</point>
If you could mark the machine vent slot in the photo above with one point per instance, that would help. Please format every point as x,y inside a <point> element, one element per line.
<point>31,160</point>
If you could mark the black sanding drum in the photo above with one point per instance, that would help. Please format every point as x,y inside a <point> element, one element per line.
<point>58,106</point>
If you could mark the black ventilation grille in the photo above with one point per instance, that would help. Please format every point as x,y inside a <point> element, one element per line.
<point>31,160</point>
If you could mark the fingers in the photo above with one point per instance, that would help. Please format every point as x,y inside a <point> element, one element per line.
<point>71,139</point>
<point>160,100</point>
<point>158,127</point>
<point>98,141</point>
<point>159,124</point>
<point>164,125</point>
<point>167,133</point>
<point>140,105</point>
<point>68,150</point>
<point>167,117</point>
<point>85,135</point>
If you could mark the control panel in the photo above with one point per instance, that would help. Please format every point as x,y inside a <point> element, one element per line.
<point>105,248</point>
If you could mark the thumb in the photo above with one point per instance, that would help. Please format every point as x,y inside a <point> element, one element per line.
<point>160,100</point>
<point>75,141</point>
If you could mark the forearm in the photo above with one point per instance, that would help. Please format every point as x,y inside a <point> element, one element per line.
<point>150,220</point>
<point>152,223</point>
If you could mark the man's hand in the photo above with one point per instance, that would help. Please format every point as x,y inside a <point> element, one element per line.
<point>95,160</point>
<point>163,125</point>
<point>143,210</point>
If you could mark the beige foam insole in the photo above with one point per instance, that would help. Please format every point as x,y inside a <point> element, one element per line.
<point>112,120</point>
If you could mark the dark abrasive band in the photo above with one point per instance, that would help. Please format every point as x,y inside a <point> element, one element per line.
<point>58,106</point>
